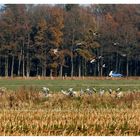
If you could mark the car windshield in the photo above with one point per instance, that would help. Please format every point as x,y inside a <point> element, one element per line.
<point>115,72</point>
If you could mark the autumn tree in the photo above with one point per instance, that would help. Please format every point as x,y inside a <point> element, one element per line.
<point>41,44</point>
<point>49,37</point>
<point>69,40</point>
<point>118,35</point>
<point>75,32</point>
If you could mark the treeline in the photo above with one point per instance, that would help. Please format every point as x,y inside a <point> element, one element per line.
<point>69,40</point>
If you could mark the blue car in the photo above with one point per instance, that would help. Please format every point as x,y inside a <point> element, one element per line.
<point>113,74</point>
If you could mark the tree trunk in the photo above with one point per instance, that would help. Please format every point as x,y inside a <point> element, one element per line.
<point>28,60</point>
<point>79,73</point>
<point>37,71</point>
<point>23,64</point>
<point>135,67</point>
<point>61,71</point>
<point>44,70</point>
<point>19,62</point>
<point>72,65</point>
<point>12,66</point>
<point>51,73</point>
<point>6,66</point>
<point>0,65</point>
<point>27,67</point>
<point>117,62</point>
<point>98,63</point>
<point>44,61</point>
<point>110,64</point>
<point>101,62</point>
<point>127,67</point>
<point>94,68</point>
<point>85,68</point>
<point>119,65</point>
<point>101,67</point>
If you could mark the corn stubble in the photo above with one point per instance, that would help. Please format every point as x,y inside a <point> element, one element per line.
<point>26,112</point>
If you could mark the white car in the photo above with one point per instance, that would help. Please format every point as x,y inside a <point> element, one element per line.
<point>112,74</point>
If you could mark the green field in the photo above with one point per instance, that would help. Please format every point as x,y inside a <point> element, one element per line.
<point>58,84</point>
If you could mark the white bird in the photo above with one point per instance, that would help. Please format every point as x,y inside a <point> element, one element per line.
<point>94,90</point>
<point>101,92</point>
<point>100,57</point>
<point>134,91</point>
<point>103,65</point>
<point>81,92</point>
<point>70,89</point>
<point>65,92</point>
<point>94,33</point>
<point>118,89</point>
<point>110,91</point>
<point>69,92</point>
<point>80,43</point>
<point>93,60</point>
<point>55,51</point>
<point>119,94</point>
<point>89,91</point>
<point>45,91</point>
<point>115,43</point>
<point>2,90</point>
<point>123,55</point>
<point>76,94</point>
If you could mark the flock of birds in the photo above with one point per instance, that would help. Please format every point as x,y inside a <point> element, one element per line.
<point>118,93</point>
<point>89,91</point>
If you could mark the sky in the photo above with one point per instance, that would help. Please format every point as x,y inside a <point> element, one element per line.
<point>70,1</point>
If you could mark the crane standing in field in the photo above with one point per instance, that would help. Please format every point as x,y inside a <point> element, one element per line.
<point>46,92</point>
<point>119,93</point>
<point>2,90</point>
<point>71,93</point>
<point>94,90</point>
<point>101,92</point>
<point>110,91</point>
<point>89,91</point>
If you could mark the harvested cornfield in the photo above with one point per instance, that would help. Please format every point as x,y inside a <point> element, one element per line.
<point>27,112</point>
<point>99,122</point>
